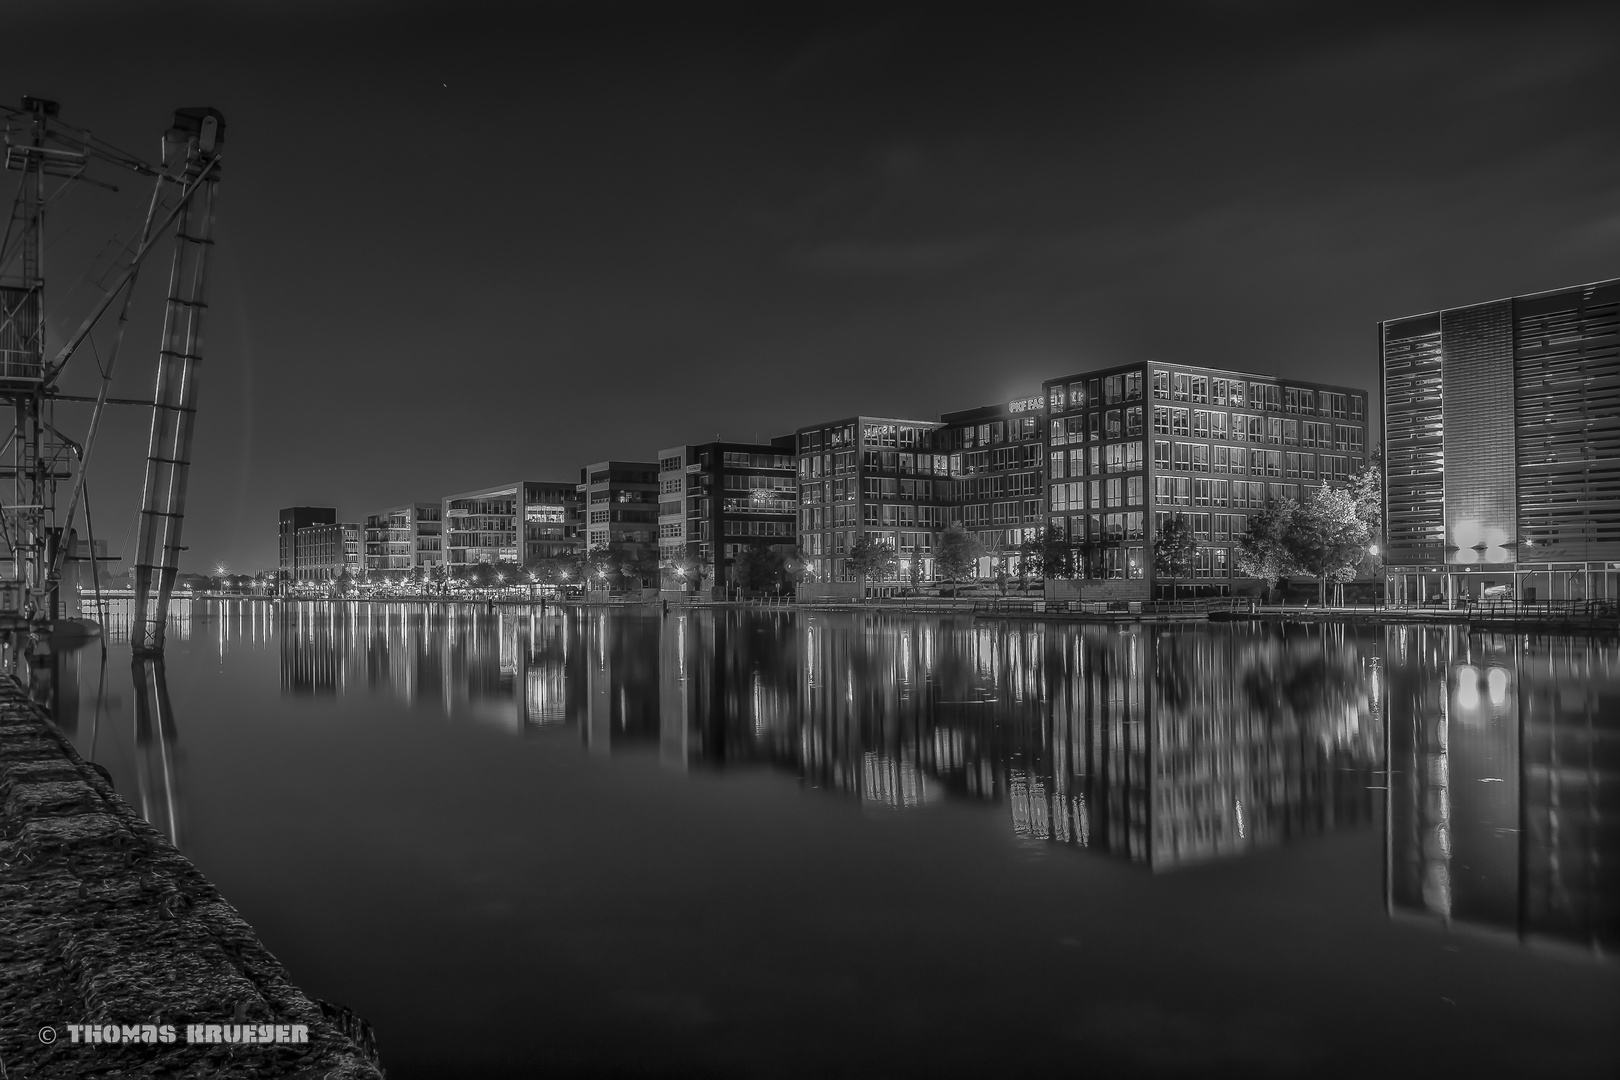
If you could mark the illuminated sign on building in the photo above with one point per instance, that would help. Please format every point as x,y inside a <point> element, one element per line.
<point>1028,404</point>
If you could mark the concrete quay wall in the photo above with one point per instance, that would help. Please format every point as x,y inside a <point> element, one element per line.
<point>104,922</point>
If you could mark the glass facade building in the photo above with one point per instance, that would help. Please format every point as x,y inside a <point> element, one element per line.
<point>1502,448</point>
<point>521,522</point>
<point>1130,448</point>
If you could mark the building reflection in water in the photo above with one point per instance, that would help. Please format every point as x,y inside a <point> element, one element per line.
<point>1158,745</point>
<point>1504,795</point>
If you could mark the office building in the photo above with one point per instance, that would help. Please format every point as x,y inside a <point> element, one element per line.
<point>402,539</point>
<point>1501,433</point>
<point>867,475</point>
<point>325,552</point>
<point>1130,447</point>
<point>521,522</point>
<point>294,518</point>
<point>995,485</point>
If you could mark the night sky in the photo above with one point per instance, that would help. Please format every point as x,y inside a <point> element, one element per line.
<point>461,245</point>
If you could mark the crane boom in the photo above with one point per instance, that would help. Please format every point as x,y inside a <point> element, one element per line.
<point>194,140</point>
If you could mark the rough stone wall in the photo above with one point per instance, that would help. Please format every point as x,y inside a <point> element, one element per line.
<point>102,921</point>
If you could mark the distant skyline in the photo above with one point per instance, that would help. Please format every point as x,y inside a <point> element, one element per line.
<point>461,245</point>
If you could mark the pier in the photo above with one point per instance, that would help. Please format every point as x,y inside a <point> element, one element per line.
<point>105,925</point>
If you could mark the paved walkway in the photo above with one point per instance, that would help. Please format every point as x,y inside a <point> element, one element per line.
<point>103,922</point>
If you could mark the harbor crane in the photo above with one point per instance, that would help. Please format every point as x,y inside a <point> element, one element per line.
<point>37,461</point>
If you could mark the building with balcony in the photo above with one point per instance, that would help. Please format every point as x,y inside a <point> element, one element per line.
<point>1130,447</point>
<point>294,518</point>
<point>553,526</point>
<point>738,495</point>
<point>1501,434</point>
<point>672,462</point>
<point>404,538</point>
<point>620,502</point>
<point>521,522</point>
<point>867,475</point>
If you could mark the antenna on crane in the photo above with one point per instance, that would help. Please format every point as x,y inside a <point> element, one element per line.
<point>37,457</point>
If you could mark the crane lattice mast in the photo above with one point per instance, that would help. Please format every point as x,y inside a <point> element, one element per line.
<point>36,458</point>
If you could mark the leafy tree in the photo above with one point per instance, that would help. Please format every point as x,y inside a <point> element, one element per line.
<point>870,557</point>
<point>641,565</point>
<point>1175,549</point>
<point>1367,489</point>
<point>956,553</point>
<point>999,553</point>
<point>1264,552</point>
<point>679,570</point>
<point>760,568</point>
<point>343,584</point>
<point>914,570</point>
<point>798,568</point>
<point>600,567</point>
<point>1327,537</point>
<point>1032,557</point>
<point>1056,556</point>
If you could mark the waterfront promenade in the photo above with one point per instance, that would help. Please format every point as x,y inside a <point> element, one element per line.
<point>103,922</point>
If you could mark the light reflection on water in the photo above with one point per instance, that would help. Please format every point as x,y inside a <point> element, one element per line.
<point>1160,745</point>
<point>1482,764</point>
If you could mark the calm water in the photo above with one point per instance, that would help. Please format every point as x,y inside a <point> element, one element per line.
<point>805,844</point>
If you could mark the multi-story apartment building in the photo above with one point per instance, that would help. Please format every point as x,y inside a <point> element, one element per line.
<point>1502,448</point>
<point>402,538</point>
<point>621,506</point>
<point>737,495</point>
<point>995,484</point>
<point>325,552</point>
<point>868,475</point>
<point>553,524</point>
<point>1132,446</point>
<point>672,462</point>
<point>521,522</point>
<point>294,518</point>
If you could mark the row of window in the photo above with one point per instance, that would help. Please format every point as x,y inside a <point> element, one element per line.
<point>1125,386</point>
<point>1202,424</point>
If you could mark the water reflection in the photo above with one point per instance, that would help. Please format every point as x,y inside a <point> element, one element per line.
<point>1505,788</point>
<point>1162,746</point>
<point>1159,745</point>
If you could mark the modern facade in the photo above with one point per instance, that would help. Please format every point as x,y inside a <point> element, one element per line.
<point>1131,447</point>
<point>995,485</point>
<point>733,495</point>
<point>620,502</point>
<point>521,522</point>
<point>325,552</point>
<point>294,518</point>
<point>553,525</point>
<point>672,462</point>
<point>404,538</point>
<point>1501,433</point>
<point>868,475</point>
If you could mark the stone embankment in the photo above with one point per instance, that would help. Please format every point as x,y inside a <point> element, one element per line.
<point>103,923</point>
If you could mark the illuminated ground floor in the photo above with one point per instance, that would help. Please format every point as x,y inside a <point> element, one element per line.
<point>1529,583</point>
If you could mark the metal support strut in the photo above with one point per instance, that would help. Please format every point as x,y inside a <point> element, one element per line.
<point>193,143</point>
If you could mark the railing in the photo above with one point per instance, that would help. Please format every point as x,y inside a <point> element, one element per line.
<point>1569,609</point>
